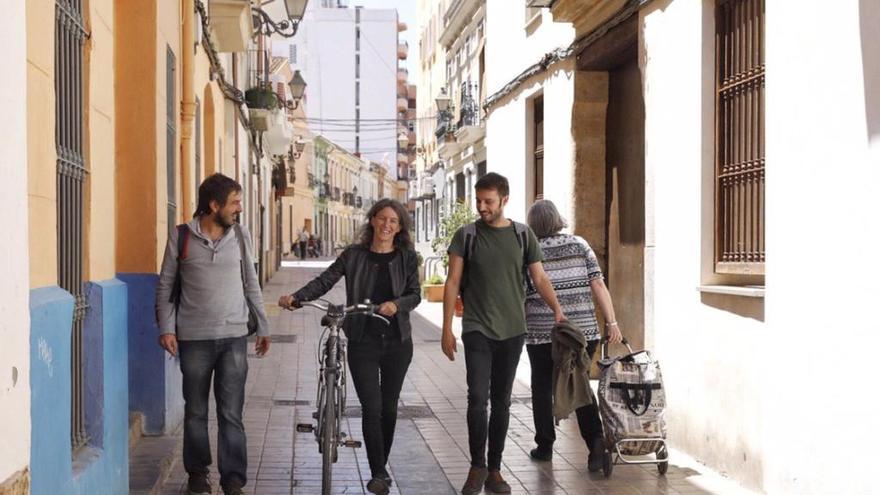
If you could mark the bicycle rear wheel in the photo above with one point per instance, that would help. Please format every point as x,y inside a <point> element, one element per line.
<point>329,433</point>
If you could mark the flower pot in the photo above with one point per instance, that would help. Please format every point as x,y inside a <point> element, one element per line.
<point>434,293</point>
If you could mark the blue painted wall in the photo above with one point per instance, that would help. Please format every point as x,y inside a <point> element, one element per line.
<point>102,467</point>
<point>154,381</point>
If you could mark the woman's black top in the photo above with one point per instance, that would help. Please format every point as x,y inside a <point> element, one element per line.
<point>382,292</point>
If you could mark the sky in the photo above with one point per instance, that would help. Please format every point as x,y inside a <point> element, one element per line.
<point>406,10</point>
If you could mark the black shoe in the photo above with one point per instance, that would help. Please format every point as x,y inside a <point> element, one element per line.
<point>540,454</point>
<point>198,484</point>
<point>496,484</point>
<point>597,454</point>
<point>378,485</point>
<point>234,487</point>
<point>474,483</point>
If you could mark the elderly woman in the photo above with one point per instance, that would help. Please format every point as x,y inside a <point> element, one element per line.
<point>574,271</point>
<point>382,267</point>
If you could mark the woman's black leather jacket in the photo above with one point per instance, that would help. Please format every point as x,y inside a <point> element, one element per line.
<point>360,276</point>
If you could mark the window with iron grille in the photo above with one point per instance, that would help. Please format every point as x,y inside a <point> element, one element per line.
<point>71,173</point>
<point>170,138</point>
<point>739,149</point>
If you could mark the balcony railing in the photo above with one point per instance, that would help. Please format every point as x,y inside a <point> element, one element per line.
<point>470,108</point>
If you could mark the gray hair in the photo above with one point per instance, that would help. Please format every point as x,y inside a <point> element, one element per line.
<point>544,219</point>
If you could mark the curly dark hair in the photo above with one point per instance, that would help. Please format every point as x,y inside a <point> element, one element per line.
<point>216,187</point>
<point>403,239</point>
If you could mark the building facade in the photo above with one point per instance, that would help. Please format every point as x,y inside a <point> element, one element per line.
<point>651,124</point>
<point>129,106</point>
<point>15,358</point>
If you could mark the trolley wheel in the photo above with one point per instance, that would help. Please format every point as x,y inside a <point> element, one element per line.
<point>663,466</point>
<point>607,464</point>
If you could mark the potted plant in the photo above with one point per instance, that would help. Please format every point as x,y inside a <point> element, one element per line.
<point>433,288</point>
<point>261,102</point>
<point>459,215</point>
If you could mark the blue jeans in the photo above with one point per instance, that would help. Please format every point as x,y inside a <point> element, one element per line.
<point>491,369</point>
<point>226,360</point>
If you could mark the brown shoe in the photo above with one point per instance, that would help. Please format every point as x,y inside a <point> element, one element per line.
<point>496,484</point>
<point>474,483</point>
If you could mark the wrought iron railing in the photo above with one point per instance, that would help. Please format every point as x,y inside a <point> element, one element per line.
<point>469,113</point>
<point>71,173</point>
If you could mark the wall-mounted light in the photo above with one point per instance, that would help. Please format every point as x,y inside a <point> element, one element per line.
<point>264,25</point>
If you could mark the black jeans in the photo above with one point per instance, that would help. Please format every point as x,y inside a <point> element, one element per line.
<point>491,369</point>
<point>378,366</point>
<point>542,399</point>
<point>226,360</point>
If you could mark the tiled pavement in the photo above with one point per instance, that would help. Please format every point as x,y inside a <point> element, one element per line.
<point>430,448</point>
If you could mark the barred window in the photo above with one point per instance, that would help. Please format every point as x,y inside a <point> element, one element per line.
<point>71,174</point>
<point>739,150</point>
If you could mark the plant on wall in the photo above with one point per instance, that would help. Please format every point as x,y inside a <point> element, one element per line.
<point>459,215</point>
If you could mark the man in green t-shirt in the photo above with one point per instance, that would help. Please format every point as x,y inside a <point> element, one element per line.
<point>490,257</point>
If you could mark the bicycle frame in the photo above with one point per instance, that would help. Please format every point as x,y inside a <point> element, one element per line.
<point>330,400</point>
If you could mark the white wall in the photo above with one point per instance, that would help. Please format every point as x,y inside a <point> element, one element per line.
<point>824,173</point>
<point>508,122</point>
<point>15,425</point>
<point>752,387</point>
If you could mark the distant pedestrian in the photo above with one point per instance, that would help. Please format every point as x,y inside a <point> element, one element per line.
<point>303,243</point>
<point>382,267</point>
<point>202,313</point>
<point>487,264</point>
<point>577,279</point>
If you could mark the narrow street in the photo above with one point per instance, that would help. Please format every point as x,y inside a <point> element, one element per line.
<point>430,448</point>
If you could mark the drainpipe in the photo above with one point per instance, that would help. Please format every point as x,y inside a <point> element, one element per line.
<point>188,104</point>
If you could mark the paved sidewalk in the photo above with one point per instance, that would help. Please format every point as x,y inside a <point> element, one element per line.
<point>430,448</point>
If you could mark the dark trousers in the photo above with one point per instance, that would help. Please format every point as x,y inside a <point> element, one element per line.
<point>226,360</point>
<point>303,249</point>
<point>378,366</point>
<point>491,369</point>
<point>542,399</point>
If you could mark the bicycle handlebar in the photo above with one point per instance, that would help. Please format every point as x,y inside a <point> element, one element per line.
<point>360,308</point>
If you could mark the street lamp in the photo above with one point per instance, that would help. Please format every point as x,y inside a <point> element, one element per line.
<point>297,87</point>
<point>264,25</point>
<point>442,100</point>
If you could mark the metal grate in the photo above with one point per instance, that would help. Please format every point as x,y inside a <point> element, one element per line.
<point>739,117</point>
<point>291,402</point>
<point>403,412</point>
<point>283,339</point>
<point>71,173</point>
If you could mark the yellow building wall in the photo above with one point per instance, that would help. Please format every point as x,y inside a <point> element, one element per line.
<point>41,142</point>
<point>137,152</point>
<point>101,217</point>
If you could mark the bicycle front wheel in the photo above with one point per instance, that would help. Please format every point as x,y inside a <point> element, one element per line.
<point>328,439</point>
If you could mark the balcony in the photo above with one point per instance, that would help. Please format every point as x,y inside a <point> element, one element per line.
<point>231,24</point>
<point>402,75</point>
<point>458,15</point>
<point>402,104</point>
<point>469,128</point>
<point>448,147</point>
<point>402,50</point>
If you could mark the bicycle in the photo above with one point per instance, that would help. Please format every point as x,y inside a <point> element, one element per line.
<point>330,401</point>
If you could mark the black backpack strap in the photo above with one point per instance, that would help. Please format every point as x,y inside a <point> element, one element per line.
<point>522,238</point>
<point>470,242</point>
<point>182,253</point>
<point>244,259</point>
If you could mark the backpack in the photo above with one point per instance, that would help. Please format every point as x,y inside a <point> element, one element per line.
<point>183,251</point>
<point>470,243</point>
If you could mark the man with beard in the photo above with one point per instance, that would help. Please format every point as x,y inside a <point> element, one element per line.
<point>204,296</point>
<point>488,261</point>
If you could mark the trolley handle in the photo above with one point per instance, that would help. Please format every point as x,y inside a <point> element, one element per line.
<point>606,341</point>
